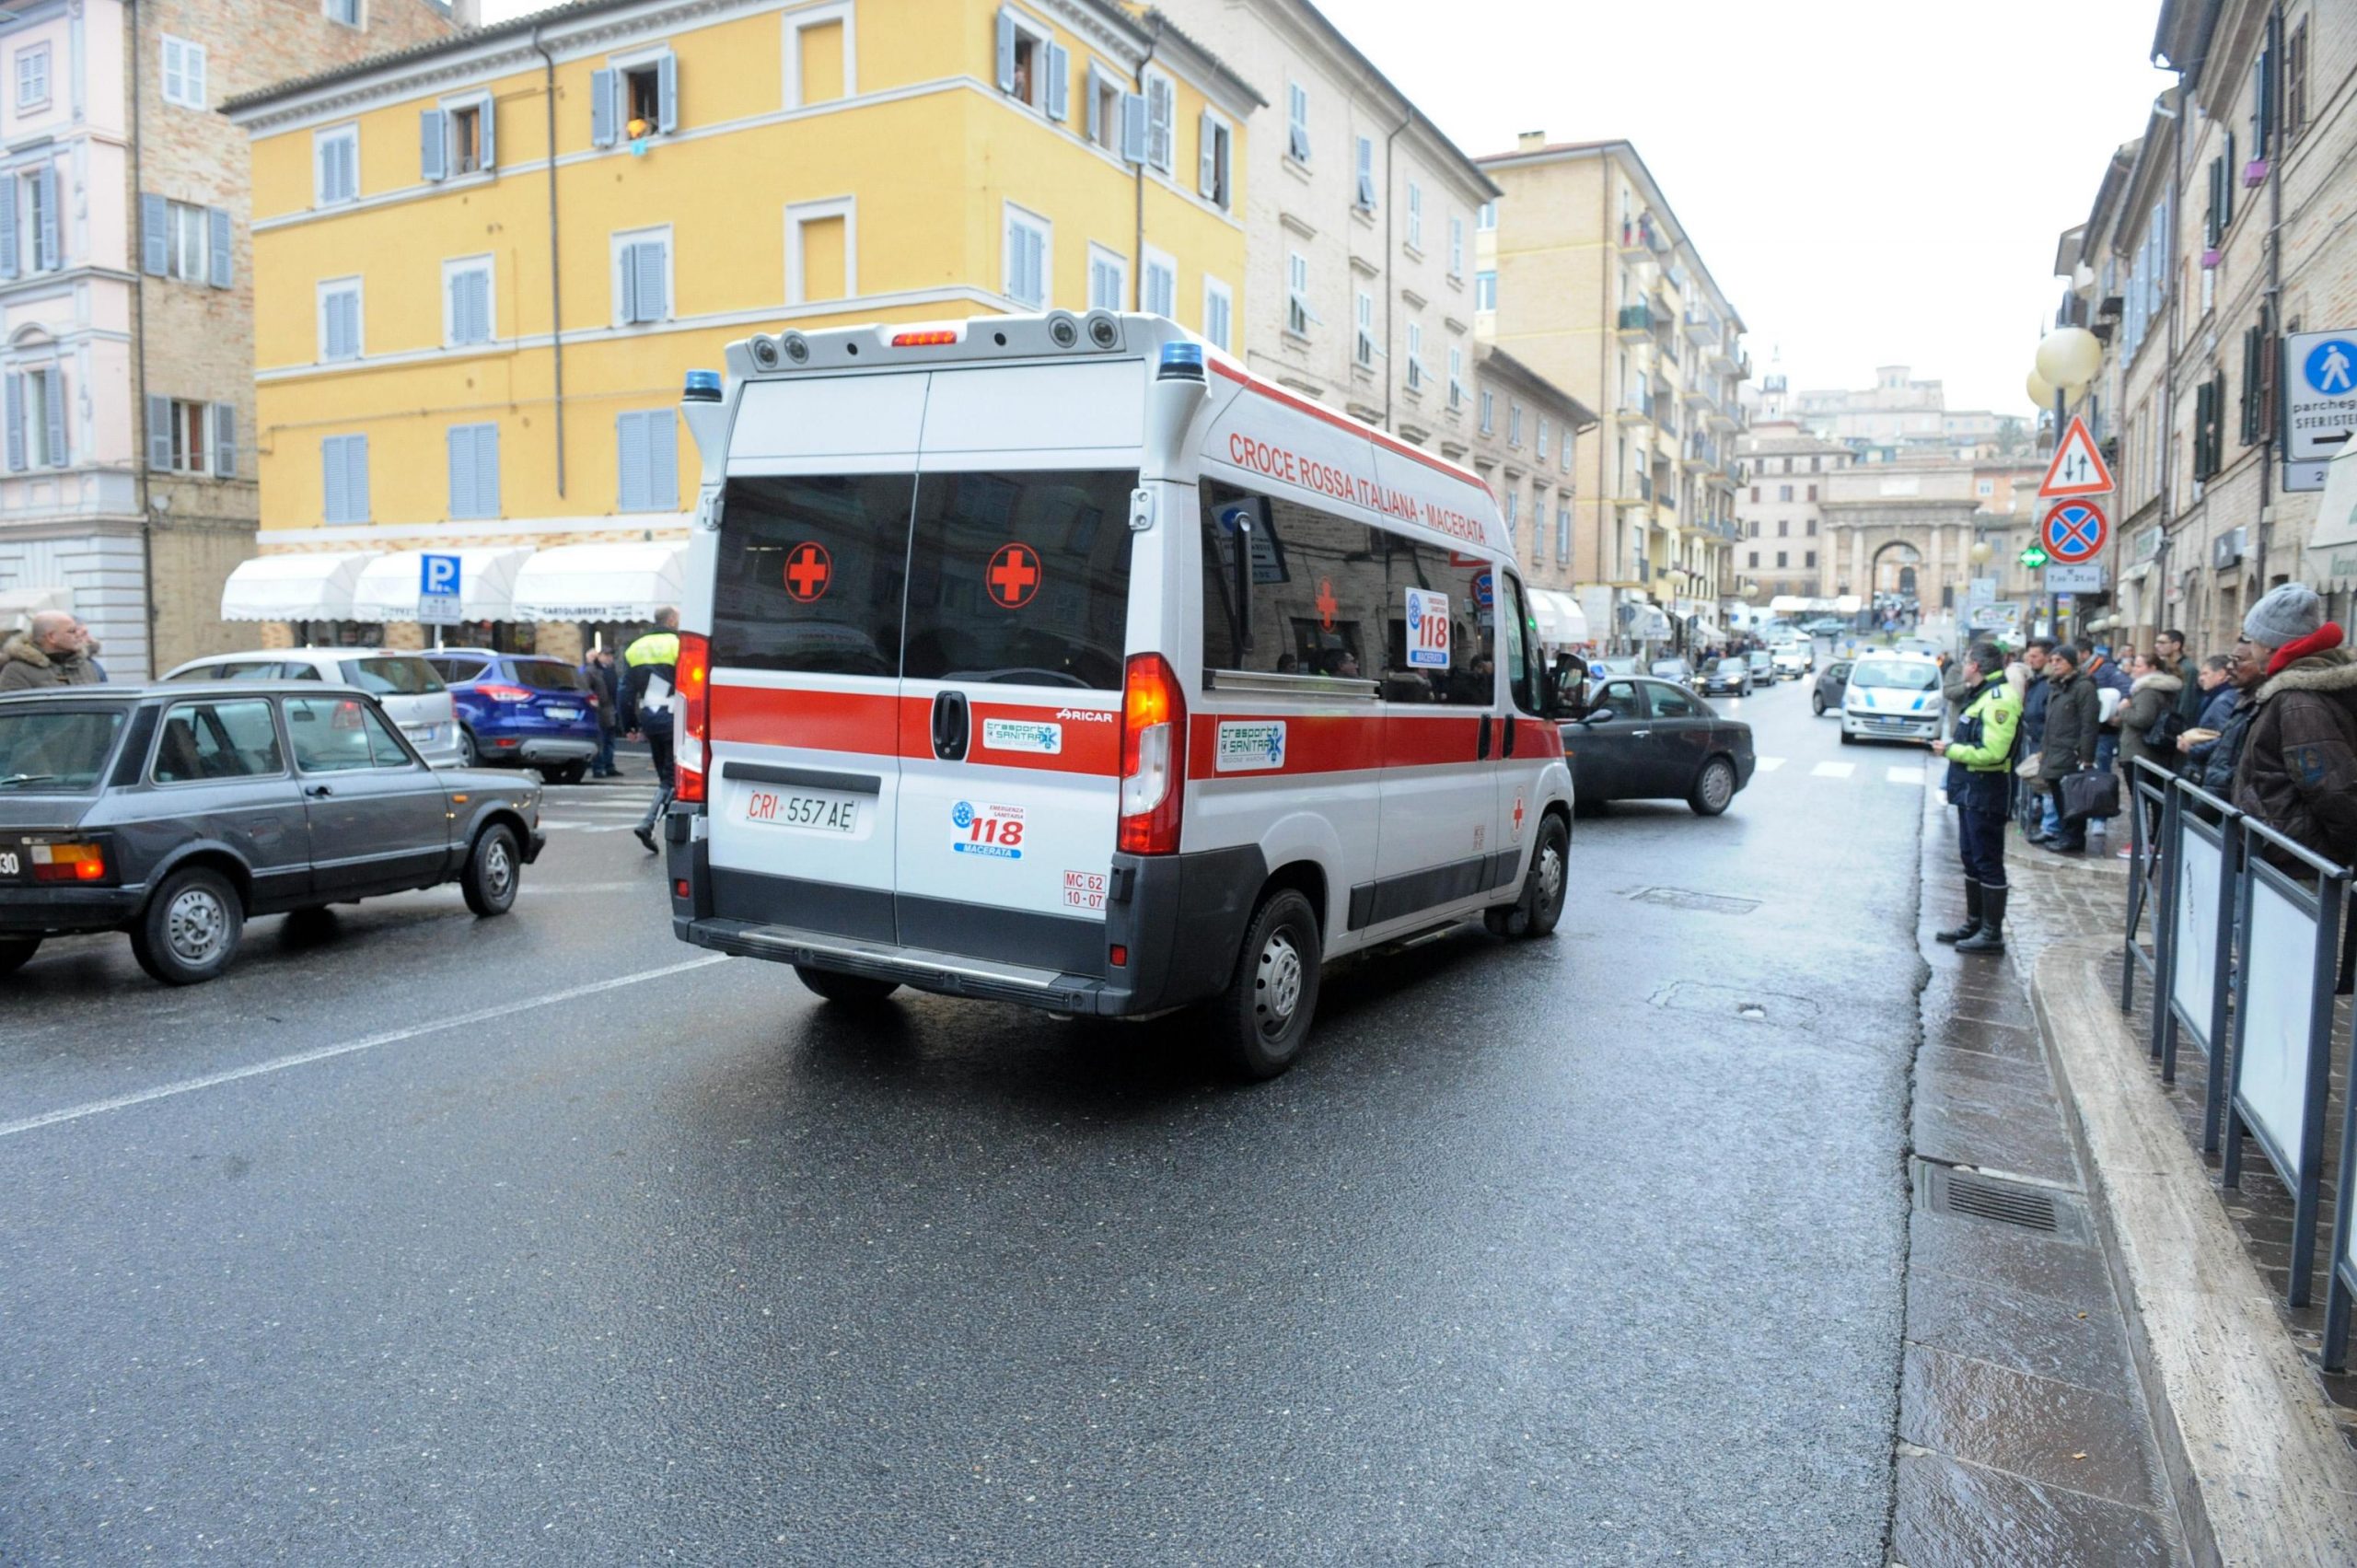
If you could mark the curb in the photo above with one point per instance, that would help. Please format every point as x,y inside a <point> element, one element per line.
<point>2261,1475</point>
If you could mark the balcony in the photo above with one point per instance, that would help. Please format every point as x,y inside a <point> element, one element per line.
<point>1640,407</point>
<point>1636,320</point>
<point>1639,237</point>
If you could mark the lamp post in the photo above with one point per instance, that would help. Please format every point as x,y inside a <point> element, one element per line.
<point>2067,359</point>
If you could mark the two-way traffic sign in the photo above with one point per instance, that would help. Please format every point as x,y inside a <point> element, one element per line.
<point>2077,468</point>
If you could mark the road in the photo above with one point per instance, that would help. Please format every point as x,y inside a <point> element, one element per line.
<point>419,1239</point>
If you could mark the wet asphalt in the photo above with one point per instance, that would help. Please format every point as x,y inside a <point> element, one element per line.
<point>1588,1250</point>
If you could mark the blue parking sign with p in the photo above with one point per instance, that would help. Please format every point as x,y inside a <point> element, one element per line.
<point>438,576</point>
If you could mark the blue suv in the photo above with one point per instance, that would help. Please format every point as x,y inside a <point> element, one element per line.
<point>520,708</point>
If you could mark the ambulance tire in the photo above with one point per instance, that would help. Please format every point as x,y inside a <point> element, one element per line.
<point>851,989</point>
<point>1543,889</point>
<point>1261,1020</point>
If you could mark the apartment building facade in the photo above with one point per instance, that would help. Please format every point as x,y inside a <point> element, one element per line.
<point>1585,275</point>
<point>492,262</point>
<point>126,300</point>
<point>1782,474</point>
<point>1525,435</point>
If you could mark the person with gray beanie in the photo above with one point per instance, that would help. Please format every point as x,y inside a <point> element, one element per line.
<point>2298,769</point>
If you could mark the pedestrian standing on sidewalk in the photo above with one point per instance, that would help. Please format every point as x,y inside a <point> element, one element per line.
<point>2071,711</point>
<point>2216,684</point>
<point>2096,668</point>
<point>2153,693</point>
<point>1979,751</point>
<point>2033,733</point>
<point>651,672</point>
<point>2227,752</point>
<point>2169,647</point>
<point>598,671</point>
<point>2298,771</point>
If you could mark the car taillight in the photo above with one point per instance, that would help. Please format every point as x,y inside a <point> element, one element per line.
<point>504,693</point>
<point>1153,757</point>
<point>693,759</point>
<point>69,862</point>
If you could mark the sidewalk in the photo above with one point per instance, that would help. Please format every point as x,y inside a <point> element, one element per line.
<point>2260,1444</point>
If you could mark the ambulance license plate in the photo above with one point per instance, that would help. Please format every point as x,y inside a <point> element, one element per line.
<point>805,810</point>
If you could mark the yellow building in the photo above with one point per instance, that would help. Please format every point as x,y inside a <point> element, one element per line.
<point>461,342</point>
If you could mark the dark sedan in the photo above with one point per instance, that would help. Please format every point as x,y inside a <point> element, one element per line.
<point>175,812</point>
<point>1730,677</point>
<point>1645,739</point>
<point>1831,681</point>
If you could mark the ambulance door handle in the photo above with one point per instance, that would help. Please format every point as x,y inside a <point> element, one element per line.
<point>949,725</point>
<point>1507,726</point>
<point>1482,753</point>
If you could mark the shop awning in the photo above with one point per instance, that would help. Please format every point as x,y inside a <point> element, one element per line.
<point>19,605</point>
<point>295,587</point>
<point>389,586</point>
<point>1562,623</point>
<point>599,582</point>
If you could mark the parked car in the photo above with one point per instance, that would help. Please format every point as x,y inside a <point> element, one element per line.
<point>1731,674</point>
<point>1892,697</point>
<point>175,812</point>
<point>520,708</point>
<point>1831,681</point>
<point>1827,626</point>
<point>402,683</point>
<point>1675,669</point>
<point>1763,667</point>
<point>1653,740</point>
<point>1793,660</point>
<point>1602,670</point>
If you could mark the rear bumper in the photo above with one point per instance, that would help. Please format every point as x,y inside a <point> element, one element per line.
<point>29,911</point>
<point>539,750</point>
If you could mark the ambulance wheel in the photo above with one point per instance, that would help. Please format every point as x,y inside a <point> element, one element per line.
<point>1543,889</point>
<point>1264,1016</point>
<point>852,990</point>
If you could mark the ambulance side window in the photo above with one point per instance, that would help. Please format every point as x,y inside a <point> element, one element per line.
<point>1468,677</point>
<point>1318,588</point>
<point>1520,634</point>
<point>810,574</point>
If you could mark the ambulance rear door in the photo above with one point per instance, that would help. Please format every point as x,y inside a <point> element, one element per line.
<point>1019,610</point>
<point>807,600</point>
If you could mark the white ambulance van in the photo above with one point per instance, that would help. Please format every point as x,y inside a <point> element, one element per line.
<point>1056,659</point>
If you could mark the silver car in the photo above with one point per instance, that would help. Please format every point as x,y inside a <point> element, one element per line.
<point>403,684</point>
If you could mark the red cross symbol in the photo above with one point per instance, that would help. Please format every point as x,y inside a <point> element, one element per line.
<point>808,571</point>
<point>1518,806</point>
<point>1327,603</point>
<point>1014,576</point>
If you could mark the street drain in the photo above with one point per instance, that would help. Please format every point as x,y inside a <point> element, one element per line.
<point>1946,1190</point>
<point>1680,898</point>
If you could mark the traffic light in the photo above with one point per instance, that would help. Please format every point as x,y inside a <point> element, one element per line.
<point>2032,556</point>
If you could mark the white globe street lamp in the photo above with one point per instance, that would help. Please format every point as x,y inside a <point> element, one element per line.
<point>2041,396</point>
<point>2069,357</point>
<point>1982,553</point>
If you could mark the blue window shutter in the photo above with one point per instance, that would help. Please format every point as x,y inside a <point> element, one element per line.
<point>54,405</point>
<point>50,253</point>
<point>486,470</point>
<point>335,500</point>
<point>663,460</point>
<point>461,443</point>
<point>630,282</point>
<point>648,261</point>
<point>8,232</point>
<point>225,441</point>
<point>485,121</point>
<point>217,221</point>
<point>159,432</point>
<point>629,445</point>
<point>479,307</point>
<point>155,243</point>
<point>1092,113</point>
<point>602,118</point>
<point>433,147</point>
<point>1134,127</point>
<point>14,413</point>
<point>1006,53</point>
<point>356,477</point>
<point>667,93</point>
<point>1059,82</point>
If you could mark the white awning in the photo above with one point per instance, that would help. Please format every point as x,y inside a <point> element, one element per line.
<point>1707,630</point>
<point>599,582</point>
<point>19,605</point>
<point>1788,604</point>
<point>1562,623</point>
<point>294,587</point>
<point>389,586</point>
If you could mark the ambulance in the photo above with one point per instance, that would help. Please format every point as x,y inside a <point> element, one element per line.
<point>1059,660</point>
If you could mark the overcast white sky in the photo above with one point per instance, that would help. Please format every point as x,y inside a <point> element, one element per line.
<point>1870,181</point>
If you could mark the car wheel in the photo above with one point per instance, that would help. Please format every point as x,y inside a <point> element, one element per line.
<point>1264,1015</point>
<point>851,989</point>
<point>15,952</point>
<point>190,930</point>
<point>1816,703</point>
<point>1543,889</point>
<point>568,772</point>
<point>493,871</point>
<point>468,756</point>
<point>1714,788</point>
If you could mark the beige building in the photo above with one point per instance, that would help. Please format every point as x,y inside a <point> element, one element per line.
<point>1586,275</point>
<point>126,301</point>
<point>1781,471</point>
<point>1900,412</point>
<point>1525,431</point>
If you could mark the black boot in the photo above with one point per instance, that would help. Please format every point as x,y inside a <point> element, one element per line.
<point>1990,937</point>
<point>1972,916</point>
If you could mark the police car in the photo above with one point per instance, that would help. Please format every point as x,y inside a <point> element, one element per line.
<point>1892,696</point>
<point>1058,659</point>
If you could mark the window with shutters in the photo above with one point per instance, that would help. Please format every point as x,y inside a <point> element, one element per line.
<point>1219,314</point>
<point>1161,279</point>
<point>1486,218</point>
<point>335,164</point>
<point>343,476</point>
<point>1562,534</point>
<point>642,102</point>
<point>189,447</point>
<point>2295,83</point>
<point>465,129</point>
<point>187,241</point>
<point>36,419</point>
<point>1485,290</point>
<point>1296,122</point>
<point>642,277</point>
<point>1215,160</point>
<point>1033,68</point>
<point>1031,251</point>
<point>1513,423</point>
<point>1415,218</point>
<point>821,250</point>
<point>1455,247</point>
<point>346,13</point>
<point>467,314</point>
<point>1108,279</point>
<point>474,470</point>
<point>340,319</point>
<point>1455,377</point>
<point>819,55</point>
<point>1488,412</point>
<point>33,240</point>
<point>32,78</point>
<point>1542,445</point>
<point>1161,122</point>
<point>1105,109</point>
<point>1362,346</point>
<point>183,72</point>
<point>1415,367</point>
<point>1364,196</point>
<point>647,444</point>
<point>1298,315</point>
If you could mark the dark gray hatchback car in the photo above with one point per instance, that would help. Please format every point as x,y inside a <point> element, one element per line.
<point>175,812</point>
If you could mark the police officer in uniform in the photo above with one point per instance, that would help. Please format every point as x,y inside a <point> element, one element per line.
<point>650,674</point>
<point>1980,758</point>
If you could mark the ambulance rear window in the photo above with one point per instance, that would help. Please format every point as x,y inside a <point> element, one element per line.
<point>811,571</point>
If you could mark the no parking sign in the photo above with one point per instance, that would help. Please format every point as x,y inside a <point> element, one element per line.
<point>2074,532</point>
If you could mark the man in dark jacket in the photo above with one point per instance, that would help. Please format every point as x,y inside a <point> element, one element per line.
<point>2227,752</point>
<point>2169,647</point>
<point>2098,669</point>
<point>651,674</point>
<point>2036,824</point>
<point>2072,709</point>
<point>2298,770</point>
<point>48,652</point>
<point>2218,694</point>
<point>597,669</point>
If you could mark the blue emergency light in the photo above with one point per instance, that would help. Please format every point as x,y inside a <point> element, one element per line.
<point>1182,362</point>
<point>703,387</point>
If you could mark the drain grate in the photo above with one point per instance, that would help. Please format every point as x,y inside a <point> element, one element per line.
<point>1946,1190</point>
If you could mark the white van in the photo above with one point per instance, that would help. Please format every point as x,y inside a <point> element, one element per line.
<point>1056,659</point>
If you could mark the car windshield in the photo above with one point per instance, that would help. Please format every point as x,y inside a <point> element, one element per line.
<point>1731,666</point>
<point>403,675</point>
<point>45,749</point>
<point>548,675</point>
<point>1900,675</point>
<point>1670,668</point>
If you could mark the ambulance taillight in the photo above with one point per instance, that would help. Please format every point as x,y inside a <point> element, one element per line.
<point>1153,757</point>
<point>693,759</point>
